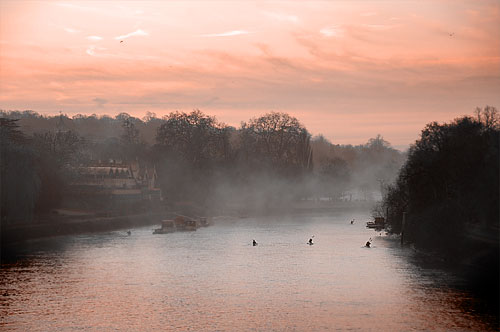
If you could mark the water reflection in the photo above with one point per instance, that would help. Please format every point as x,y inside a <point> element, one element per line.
<point>215,280</point>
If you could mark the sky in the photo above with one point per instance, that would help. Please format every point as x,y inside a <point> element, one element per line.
<point>348,70</point>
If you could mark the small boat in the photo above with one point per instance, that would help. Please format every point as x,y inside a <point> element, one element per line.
<point>167,226</point>
<point>379,223</point>
<point>191,225</point>
<point>185,224</point>
<point>204,222</point>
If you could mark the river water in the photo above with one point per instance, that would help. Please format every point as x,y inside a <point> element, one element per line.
<point>215,280</point>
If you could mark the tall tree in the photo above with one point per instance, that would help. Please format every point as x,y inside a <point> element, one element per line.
<point>19,181</point>
<point>449,187</point>
<point>190,145</point>
<point>194,136</point>
<point>280,140</point>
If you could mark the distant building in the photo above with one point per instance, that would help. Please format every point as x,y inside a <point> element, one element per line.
<point>115,185</point>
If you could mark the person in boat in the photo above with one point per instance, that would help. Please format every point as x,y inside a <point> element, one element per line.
<point>310,242</point>
<point>352,221</point>
<point>254,243</point>
<point>368,243</point>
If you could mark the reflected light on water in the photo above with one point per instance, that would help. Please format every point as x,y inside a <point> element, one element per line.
<point>215,280</point>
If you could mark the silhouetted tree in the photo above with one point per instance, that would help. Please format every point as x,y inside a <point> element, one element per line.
<point>449,189</point>
<point>19,183</point>
<point>367,166</point>
<point>280,140</point>
<point>190,145</point>
<point>269,157</point>
<point>334,177</point>
<point>194,136</point>
<point>57,154</point>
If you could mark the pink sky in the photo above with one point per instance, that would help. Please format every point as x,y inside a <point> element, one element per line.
<point>347,69</point>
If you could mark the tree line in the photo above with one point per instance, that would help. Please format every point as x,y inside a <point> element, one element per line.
<point>448,192</point>
<point>269,161</point>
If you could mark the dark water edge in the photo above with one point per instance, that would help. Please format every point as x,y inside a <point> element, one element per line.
<point>479,279</point>
<point>18,234</point>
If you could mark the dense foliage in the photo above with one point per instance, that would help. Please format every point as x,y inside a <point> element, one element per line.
<point>270,161</point>
<point>449,190</point>
<point>20,182</point>
<point>34,170</point>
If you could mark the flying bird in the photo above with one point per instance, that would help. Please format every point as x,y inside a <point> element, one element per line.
<point>452,34</point>
<point>121,41</point>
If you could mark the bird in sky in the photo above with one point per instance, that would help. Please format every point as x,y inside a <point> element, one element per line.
<point>452,34</point>
<point>121,41</point>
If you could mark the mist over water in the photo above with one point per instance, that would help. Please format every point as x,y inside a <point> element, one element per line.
<point>215,280</point>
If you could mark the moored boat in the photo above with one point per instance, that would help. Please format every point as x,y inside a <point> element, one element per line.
<point>379,223</point>
<point>167,226</point>
<point>204,222</point>
<point>183,223</point>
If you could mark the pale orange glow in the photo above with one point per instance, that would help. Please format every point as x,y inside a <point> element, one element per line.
<point>346,69</point>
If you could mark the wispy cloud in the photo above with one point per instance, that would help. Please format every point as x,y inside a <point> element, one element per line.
<point>95,38</point>
<point>333,31</point>
<point>71,30</point>
<point>378,27</point>
<point>91,50</point>
<point>100,102</point>
<point>101,8</point>
<point>138,32</point>
<point>103,52</point>
<point>282,17</point>
<point>77,7</point>
<point>228,33</point>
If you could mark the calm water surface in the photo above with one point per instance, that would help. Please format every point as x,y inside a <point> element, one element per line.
<point>215,280</point>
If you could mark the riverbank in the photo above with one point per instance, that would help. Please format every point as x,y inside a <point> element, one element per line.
<point>11,234</point>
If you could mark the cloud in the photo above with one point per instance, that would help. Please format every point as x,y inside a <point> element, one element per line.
<point>71,30</point>
<point>138,32</point>
<point>100,101</point>
<point>282,17</point>
<point>92,48</point>
<point>291,85</point>
<point>333,31</point>
<point>228,33</point>
<point>77,7</point>
<point>378,27</point>
<point>95,38</point>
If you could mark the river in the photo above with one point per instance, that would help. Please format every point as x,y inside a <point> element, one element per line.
<point>213,279</point>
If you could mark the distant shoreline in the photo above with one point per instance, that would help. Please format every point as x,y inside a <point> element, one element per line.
<point>14,234</point>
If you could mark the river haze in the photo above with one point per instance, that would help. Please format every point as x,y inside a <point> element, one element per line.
<point>215,280</point>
